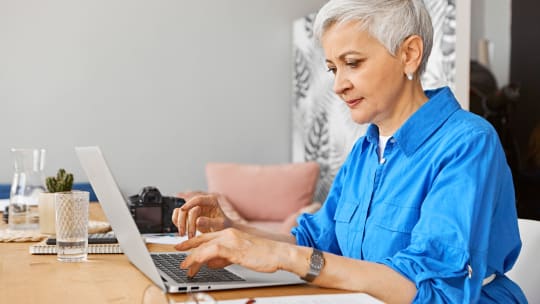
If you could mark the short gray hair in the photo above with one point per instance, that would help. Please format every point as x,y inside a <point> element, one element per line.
<point>388,21</point>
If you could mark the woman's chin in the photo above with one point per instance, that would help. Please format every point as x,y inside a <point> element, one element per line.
<point>359,119</point>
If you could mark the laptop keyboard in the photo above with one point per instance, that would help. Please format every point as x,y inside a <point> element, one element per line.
<point>170,264</point>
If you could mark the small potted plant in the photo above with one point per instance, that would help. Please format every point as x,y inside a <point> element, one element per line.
<point>62,182</point>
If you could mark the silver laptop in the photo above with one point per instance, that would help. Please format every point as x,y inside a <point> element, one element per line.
<point>162,268</point>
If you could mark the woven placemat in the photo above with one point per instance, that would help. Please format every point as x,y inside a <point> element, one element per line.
<point>19,236</point>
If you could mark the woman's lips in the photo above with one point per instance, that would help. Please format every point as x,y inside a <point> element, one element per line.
<point>353,102</point>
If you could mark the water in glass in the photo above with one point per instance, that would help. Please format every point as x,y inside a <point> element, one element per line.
<point>72,225</point>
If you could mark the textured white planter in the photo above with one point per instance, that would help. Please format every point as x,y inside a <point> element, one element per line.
<point>47,214</point>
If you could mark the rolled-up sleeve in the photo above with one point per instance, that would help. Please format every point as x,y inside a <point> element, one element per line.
<point>318,230</point>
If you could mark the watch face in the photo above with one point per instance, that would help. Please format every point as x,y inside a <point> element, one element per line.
<point>317,260</point>
<point>316,263</point>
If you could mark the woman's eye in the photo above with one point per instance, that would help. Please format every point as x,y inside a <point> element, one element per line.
<point>332,70</point>
<point>353,63</point>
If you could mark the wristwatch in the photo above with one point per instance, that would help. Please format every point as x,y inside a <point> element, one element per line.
<point>316,263</point>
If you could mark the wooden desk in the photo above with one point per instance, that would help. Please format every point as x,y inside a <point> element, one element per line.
<point>111,278</point>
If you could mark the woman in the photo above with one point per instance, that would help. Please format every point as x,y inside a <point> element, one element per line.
<point>423,208</point>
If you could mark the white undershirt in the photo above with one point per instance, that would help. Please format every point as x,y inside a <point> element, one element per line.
<point>382,144</point>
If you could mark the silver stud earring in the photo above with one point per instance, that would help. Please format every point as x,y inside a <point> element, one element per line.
<point>410,76</point>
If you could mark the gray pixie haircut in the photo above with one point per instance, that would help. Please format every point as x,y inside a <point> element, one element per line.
<point>388,21</point>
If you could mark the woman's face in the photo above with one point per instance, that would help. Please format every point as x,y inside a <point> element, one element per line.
<point>367,77</point>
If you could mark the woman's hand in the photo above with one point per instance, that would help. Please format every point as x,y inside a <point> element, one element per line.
<point>232,246</point>
<point>200,212</point>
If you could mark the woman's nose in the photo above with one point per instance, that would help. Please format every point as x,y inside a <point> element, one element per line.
<point>341,83</point>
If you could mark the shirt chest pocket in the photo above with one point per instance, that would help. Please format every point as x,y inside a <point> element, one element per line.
<point>394,217</point>
<point>348,229</point>
<point>388,229</point>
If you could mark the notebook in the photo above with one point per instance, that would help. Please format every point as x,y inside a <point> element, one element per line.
<point>162,268</point>
<point>43,248</point>
<point>93,238</point>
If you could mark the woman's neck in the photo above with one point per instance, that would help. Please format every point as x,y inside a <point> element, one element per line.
<point>411,100</point>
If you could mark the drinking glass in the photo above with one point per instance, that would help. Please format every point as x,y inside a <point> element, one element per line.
<point>72,225</point>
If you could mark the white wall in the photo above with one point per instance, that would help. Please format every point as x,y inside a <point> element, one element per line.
<point>162,86</point>
<point>491,20</point>
<point>463,54</point>
<point>477,25</point>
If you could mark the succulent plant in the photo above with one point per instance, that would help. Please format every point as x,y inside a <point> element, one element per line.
<point>61,183</point>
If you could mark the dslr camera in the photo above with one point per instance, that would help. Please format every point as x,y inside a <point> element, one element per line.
<point>152,211</point>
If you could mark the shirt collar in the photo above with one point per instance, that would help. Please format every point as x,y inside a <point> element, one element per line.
<point>428,118</point>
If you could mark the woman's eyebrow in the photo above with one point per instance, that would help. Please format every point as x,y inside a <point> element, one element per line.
<point>342,56</point>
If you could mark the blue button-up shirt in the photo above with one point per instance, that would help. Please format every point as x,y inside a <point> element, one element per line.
<point>439,209</point>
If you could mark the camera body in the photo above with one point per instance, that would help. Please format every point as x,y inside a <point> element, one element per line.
<point>152,211</point>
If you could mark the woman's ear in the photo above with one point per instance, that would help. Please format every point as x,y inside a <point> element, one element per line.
<point>411,50</point>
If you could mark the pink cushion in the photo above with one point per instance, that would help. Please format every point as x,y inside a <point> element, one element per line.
<point>264,192</point>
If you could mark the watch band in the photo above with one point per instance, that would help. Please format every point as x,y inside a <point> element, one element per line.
<point>316,263</point>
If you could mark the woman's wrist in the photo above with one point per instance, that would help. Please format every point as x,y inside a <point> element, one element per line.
<point>293,258</point>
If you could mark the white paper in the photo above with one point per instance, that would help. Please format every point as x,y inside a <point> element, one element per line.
<point>349,298</point>
<point>167,238</point>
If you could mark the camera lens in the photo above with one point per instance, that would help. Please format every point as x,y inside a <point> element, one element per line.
<point>151,195</point>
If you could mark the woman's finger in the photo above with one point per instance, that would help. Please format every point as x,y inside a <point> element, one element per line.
<point>196,241</point>
<point>198,200</point>
<point>193,269</point>
<point>206,224</point>
<point>183,214</point>
<point>206,252</point>
<point>218,263</point>
<point>182,218</point>
<point>193,215</point>
<point>174,217</point>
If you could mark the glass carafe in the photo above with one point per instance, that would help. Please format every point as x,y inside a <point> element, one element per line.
<point>28,182</point>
